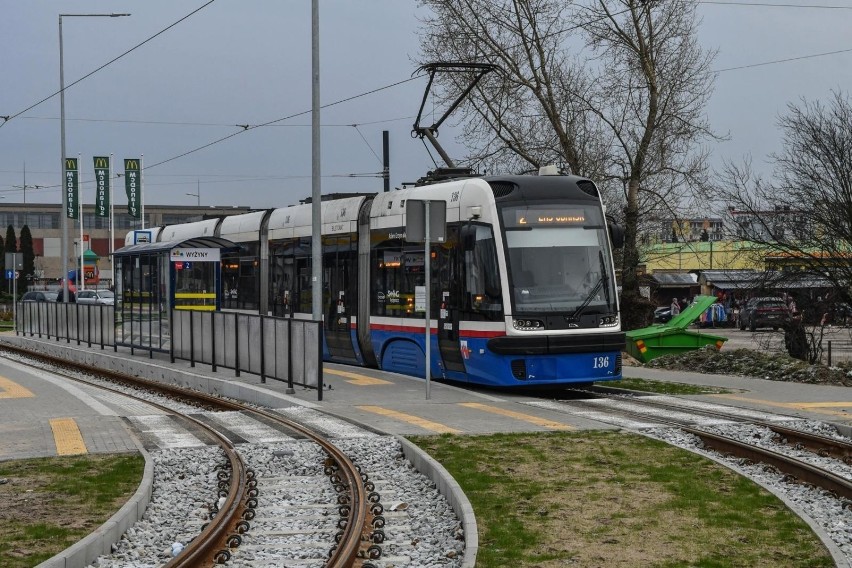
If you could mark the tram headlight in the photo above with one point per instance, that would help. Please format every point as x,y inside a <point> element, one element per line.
<point>608,321</point>
<point>527,324</point>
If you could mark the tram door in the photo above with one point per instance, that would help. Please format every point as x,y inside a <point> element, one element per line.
<point>340,276</point>
<point>450,266</point>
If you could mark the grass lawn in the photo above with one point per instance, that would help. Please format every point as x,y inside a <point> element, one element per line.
<point>603,498</point>
<point>48,504</point>
<point>544,500</point>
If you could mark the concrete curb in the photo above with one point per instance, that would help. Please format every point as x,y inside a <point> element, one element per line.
<point>445,483</point>
<point>452,491</point>
<point>100,542</point>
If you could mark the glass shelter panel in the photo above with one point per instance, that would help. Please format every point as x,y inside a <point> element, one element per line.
<point>195,285</point>
<point>141,306</point>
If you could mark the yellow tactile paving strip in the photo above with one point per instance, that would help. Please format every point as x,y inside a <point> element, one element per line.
<point>543,422</point>
<point>409,419</point>
<point>11,389</point>
<point>67,436</point>
<point>818,407</point>
<point>356,379</point>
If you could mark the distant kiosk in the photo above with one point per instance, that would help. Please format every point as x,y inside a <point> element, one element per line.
<point>91,275</point>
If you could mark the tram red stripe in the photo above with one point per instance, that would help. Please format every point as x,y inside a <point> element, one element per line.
<point>415,329</point>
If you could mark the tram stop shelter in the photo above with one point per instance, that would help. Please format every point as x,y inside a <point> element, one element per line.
<point>152,279</point>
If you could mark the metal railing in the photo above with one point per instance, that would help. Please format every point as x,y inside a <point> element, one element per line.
<point>282,349</point>
<point>272,347</point>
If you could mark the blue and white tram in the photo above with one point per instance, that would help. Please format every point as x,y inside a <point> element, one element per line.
<point>523,285</point>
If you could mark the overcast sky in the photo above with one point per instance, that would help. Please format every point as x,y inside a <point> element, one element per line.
<point>249,63</point>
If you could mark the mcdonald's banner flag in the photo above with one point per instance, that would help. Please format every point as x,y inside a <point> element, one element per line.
<point>133,187</point>
<point>71,188</point>
<point>102,182</point>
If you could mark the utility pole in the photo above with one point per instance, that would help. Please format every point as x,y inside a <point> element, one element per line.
<point>25,187</point>
<point>386,156</point>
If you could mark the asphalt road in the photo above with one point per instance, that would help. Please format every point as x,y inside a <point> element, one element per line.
<point>773,341</point>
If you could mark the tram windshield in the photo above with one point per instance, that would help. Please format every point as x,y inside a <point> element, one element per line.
<point>559,259</point>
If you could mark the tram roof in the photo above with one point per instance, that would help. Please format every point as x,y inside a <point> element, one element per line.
<point>196,242</point>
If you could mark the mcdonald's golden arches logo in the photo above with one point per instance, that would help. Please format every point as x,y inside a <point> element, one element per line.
<point>131,165</point>
<point>101,162</point>
<point>70,163</point>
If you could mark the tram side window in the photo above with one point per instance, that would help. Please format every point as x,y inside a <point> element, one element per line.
<point>303,294</point>
<point>483,295</point>
<point>398,270</point>
<point>283,277</point>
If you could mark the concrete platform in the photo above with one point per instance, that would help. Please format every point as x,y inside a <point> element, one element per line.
<point>398,404</point>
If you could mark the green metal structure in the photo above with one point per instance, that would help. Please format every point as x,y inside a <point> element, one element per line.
<point>673,337</point>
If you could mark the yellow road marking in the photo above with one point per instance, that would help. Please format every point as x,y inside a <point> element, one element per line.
<point>422,422</point>
<point>826,404</point>
<point>820,407</point>
<point>356,379</point>
<point>9,389</point>
<point>518,415</point>
<point>67,436</point>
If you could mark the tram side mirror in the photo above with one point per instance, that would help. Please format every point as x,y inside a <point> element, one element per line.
<point>616,235</point>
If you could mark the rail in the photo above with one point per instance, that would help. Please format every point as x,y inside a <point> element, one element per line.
<point>213,545</point>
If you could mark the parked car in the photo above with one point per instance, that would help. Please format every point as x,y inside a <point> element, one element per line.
<point>841,314</point>
<point>102,297</point>
<point>764,312</point>
<point>39,296</point>
<point>662,314</point>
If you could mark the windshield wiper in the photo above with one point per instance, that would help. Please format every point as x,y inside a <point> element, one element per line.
<point>604,278</point>
<point>576,315</point>
<point>603,281</point>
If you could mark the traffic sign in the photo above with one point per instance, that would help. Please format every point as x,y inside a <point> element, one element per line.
<point>9,274</point>
<point>17,274</point>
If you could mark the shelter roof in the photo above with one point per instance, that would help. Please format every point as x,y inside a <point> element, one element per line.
<point>771,279</point>
<point>165,247</point>
<point>674,279</point>
<point>732,279</point>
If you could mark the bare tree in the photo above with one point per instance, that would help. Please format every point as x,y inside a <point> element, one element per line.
<point>525,116</point>
<point>800,219</point>
<point>613,89</point>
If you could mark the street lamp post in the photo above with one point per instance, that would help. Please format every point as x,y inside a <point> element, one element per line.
<point>64,261</point>
<point>197,194</point>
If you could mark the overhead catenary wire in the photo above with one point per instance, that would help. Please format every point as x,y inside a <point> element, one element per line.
<point>7,118</point>
<point>250,127</point>
<point>213,124</point>
<point>275,122</point>
<point>775,5</point>
<point>247,179</point>
<point>355,126</point>
<point>246,128</point>
<point>108,63</point>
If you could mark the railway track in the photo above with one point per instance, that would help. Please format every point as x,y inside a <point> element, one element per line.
<point>699,418</point>
<point>351,531</point>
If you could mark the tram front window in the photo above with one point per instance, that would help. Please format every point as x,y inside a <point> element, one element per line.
<point>558,259</point>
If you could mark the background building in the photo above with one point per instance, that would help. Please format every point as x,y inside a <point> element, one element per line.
<point>690,230</point>
<point>45,223</point>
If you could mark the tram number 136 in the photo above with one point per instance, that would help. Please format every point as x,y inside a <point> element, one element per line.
<point>601,363</point>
